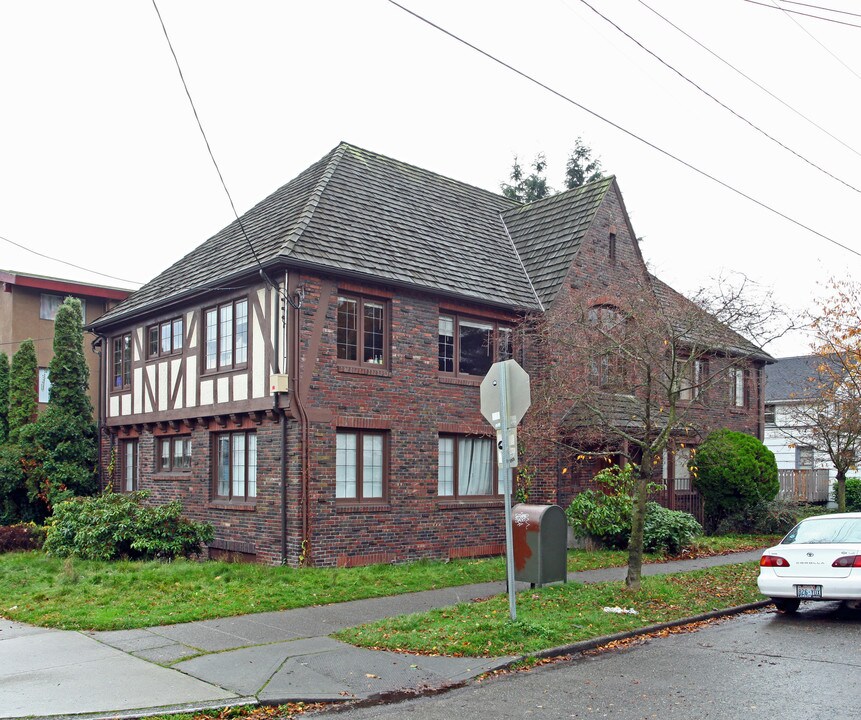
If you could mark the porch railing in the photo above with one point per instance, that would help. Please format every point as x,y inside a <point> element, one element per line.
<point>804,485</point>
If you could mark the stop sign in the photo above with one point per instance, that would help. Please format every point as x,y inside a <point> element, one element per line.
<point>517,395</point>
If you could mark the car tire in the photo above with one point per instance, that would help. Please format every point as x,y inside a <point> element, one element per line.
<point>786,605</point>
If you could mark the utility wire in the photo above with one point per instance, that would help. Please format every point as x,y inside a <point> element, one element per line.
<point>719,102</point>
<point>789,13</point>
<point>263,274</point>
<point>627,132</point>
<point>803,14</point>
<point>70,264</point>
<point>820,7</point>
<point>750,79</point>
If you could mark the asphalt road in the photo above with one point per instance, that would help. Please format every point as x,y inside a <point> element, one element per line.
<point>762,665</point>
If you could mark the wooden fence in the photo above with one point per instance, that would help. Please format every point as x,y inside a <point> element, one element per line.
<point>804,485</point>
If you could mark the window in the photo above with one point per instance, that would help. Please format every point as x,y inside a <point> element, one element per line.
<point>174,454</point>
<point>44,385</point>
<point>360,465</point>
<point>236,466</point>
<point>466,467</point>
<point>121,362</point>
<point>677,464</point>
<point>770,415</point>
<point>470,347</point>
<point>165,338</point>
<point>226,335</point>
<point>361,331</point>
<point>49,304</point>
<point>128,465</point>
<point>804,457</point>
<point>690,378</point>
<point>737,387</point>
<point>607,369</point>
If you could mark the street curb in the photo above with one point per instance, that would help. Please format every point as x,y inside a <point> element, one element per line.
<point>593,643</point>
<point>396,696</point>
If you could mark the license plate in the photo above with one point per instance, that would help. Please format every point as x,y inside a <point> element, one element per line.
<point>808,592</point>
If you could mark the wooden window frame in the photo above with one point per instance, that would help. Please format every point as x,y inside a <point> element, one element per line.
<point>498,332</point>
<point>740,376</point>
<point>359,480</point>
<point>156,334</point>
<point>221,342</point>
<point>456,494</point>
<point>362,334</point>
<point>231,496</point>
<point>121,357</point>
<point>170,441</point>
<point>124,446</point>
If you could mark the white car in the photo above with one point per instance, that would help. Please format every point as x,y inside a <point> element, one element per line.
<point>819,559</point>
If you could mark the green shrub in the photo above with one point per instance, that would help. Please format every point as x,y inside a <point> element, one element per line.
<point>733,472</point>
<point>23,536</point>
<point>853,494</point>
<point>111,526</point>
<point>668,531</point>
<point>605,515</point>
<point>774,517</point>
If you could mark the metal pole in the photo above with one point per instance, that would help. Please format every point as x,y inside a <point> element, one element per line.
<point>505,474</point>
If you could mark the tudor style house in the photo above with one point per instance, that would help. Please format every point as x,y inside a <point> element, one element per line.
<point>307,380</point>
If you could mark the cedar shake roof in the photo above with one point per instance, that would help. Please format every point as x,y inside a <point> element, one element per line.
<point>796,378</point>
<point>548,233</point>
<point>703,328</point>
<point>366,215</point>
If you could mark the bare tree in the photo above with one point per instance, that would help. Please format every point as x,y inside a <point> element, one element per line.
<point>647,374</point>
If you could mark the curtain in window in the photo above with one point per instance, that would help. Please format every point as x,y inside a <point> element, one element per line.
<point>475,472</point>
<point>252,465</point>
<point>242,332</point>
<point>238,465</point>
<point>224,466</point>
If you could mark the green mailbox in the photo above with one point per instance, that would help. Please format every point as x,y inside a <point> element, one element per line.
<point>540,535</point>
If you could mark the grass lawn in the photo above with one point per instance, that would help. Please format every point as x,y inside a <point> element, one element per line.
<point>90,595</point>
<point>559,614</point>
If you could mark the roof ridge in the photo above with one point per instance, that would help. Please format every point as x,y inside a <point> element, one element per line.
<point>313,199</point>
<point>562,194</point>
<point>521,263</point>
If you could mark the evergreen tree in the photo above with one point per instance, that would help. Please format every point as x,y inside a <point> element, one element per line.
<point>18,455</point>
<point>4,397</point>
<point>22,389</point>
<point>579,170</point>
<point>66,431</point>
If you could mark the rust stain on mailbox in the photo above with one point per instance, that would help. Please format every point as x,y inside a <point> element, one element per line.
<point>540,539</point>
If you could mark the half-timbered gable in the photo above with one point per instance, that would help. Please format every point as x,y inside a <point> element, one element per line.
<point>307,380</point>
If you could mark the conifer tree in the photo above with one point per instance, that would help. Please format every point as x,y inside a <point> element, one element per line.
<point>22,389</point>
<point>66,431</point>
<point>4,397</point>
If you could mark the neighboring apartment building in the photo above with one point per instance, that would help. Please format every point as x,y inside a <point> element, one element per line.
<point>28,304</point>
<point>805,473</point>
<point>308,381</point>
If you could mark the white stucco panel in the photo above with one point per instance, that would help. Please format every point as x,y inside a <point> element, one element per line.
<point>113,406</point>
<point>163,387</point>
<point>222,391</point>
<point>137,344</point>
<point>206,392</point>
<point>258,355</point>
<point>126,404</point>
<point>137,389</point>
<point>190,381</point>
<point>240,388</point>
<point>176,382</point>
<point>189,323</point>
<point>151,378</point>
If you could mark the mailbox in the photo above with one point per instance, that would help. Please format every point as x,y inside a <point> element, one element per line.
<point>540,537</point>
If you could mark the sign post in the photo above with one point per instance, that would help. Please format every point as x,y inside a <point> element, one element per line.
<point>505,397</point>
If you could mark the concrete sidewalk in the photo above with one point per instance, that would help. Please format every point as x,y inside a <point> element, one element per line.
<point>267,657</point>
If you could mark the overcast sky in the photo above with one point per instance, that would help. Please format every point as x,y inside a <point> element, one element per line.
<point>102,163</point>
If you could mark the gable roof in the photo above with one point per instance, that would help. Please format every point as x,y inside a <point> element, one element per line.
<point>359,213</point>
<point>547,233</point>
<point>795,378</point>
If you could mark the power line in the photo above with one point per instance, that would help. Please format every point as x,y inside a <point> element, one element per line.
<point>627,132</point>
<point>70,264</point>
<point>750,79</point>
<point>789,14</point>
<point>803,14</point>
<point>820,7</point>
<point>263,274</point>
<point>719,102</point>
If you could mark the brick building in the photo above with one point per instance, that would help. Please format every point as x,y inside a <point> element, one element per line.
<point>307,380</point>
<point>28,304</point>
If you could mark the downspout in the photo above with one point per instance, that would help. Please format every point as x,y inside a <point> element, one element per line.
<point>276,397</point>
<point>96,345</point>
<point>304,427</point>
